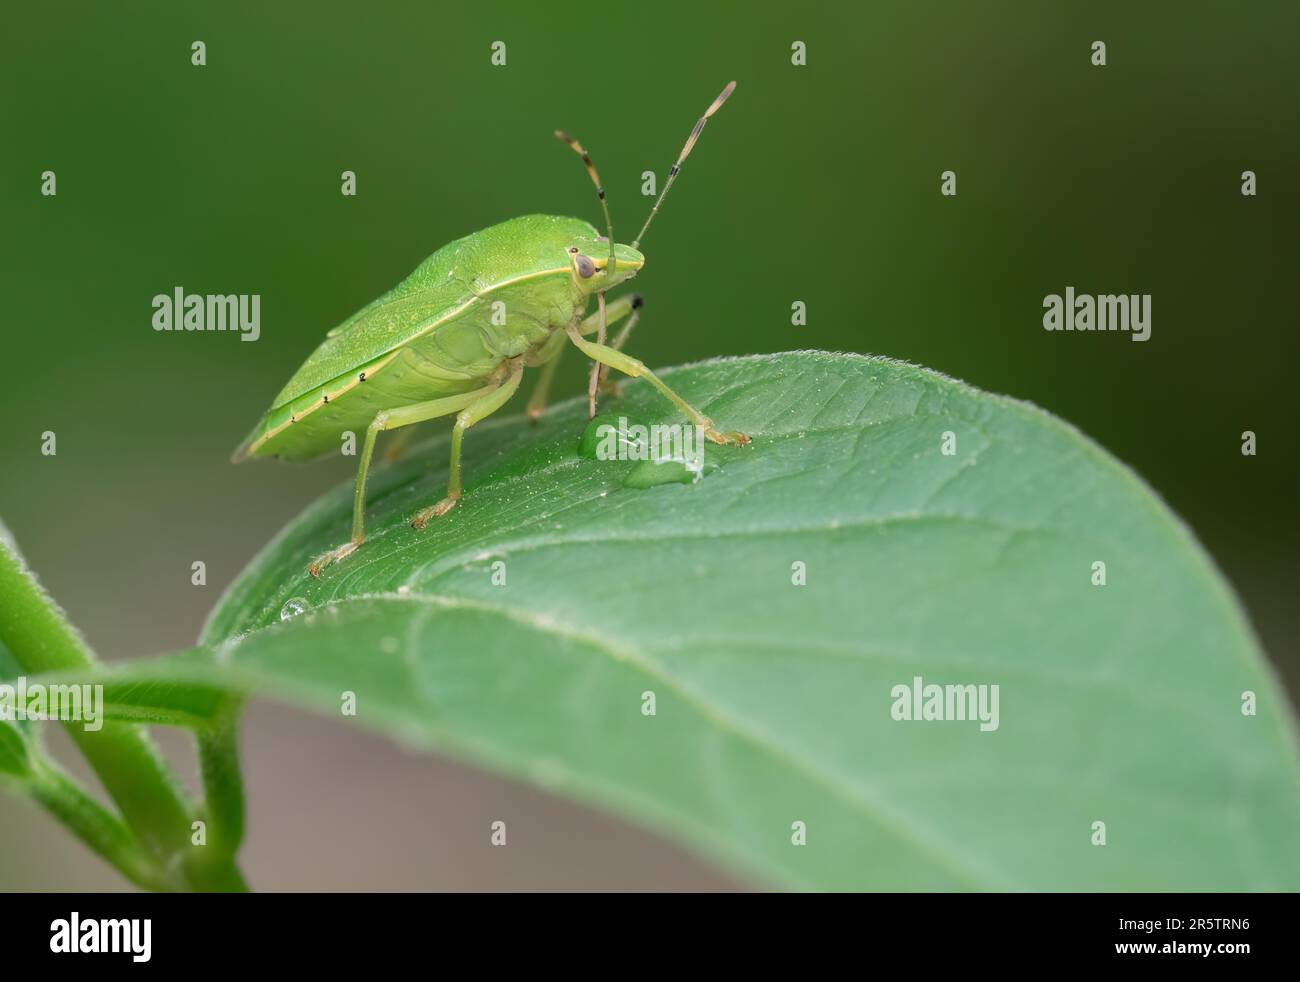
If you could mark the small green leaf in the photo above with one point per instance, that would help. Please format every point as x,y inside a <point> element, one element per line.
<point>887,524</point>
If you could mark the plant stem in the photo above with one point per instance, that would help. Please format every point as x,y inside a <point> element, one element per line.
<point>103,831</point>
<point>223,786</point>
<point>152,802</point>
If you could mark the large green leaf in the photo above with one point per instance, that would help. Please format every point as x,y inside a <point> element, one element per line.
<point>1119,703</point>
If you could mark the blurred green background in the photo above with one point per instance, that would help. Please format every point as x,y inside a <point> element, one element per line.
<point>816,183</point>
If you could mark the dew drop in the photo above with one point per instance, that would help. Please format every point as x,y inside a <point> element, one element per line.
<point>668,470</point>
<point>292,608</point>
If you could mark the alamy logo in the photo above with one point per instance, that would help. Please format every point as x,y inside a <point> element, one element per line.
<point>921,701</point>
<point>66,703</point>
<point>181,311</point>
<point>1107,312</point>
<point>659,443</point>
<point>103,936</point>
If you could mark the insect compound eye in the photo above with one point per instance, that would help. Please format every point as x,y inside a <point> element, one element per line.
<point>586,268</point>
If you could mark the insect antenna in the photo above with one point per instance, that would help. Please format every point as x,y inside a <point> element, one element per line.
<point>600,188</point>
<point>690,145</point>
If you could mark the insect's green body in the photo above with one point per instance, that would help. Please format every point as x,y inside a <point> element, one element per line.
<point>454,337</point>
<point>439,332</point>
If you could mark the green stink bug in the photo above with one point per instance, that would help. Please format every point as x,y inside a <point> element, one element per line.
<point>456,335</point>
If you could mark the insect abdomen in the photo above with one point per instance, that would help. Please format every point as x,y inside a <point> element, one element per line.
<point>313,425</point>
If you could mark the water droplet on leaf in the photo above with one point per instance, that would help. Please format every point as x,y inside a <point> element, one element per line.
<point>667,470</point>
<point>293,607</point>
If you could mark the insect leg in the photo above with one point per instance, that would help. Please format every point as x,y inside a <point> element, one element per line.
<point>484,406</point>
<point>615,388</point>
<point>389,419</point>
<point>601,324</point>
<point>635,368</point>
<point>621,337</point>
<point>548,356</point>
<point>615,311</point>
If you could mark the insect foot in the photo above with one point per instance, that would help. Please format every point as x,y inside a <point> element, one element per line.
<point>333,556</point>
<point>422,517</point>
<point>718,436</point>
